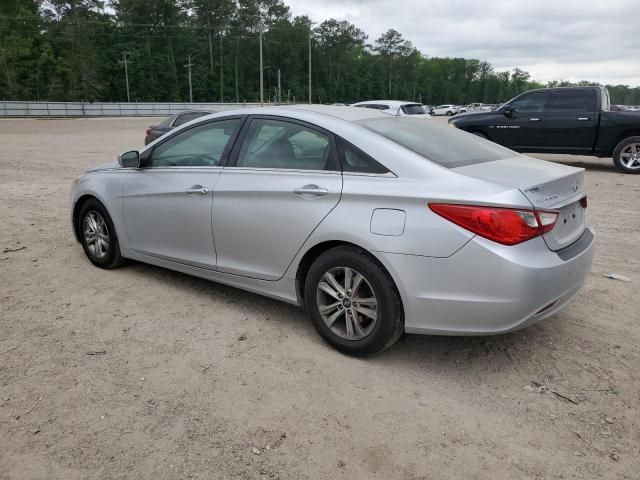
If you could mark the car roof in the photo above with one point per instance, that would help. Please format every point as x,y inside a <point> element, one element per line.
<point>391,103</point>
<point>349,114</point>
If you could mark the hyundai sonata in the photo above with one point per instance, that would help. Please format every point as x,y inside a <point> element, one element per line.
<point>377,224</point>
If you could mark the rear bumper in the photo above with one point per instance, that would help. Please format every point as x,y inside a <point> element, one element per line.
<point>487,288</point>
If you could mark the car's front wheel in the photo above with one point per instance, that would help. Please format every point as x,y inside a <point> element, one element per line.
<point>626,155</point>
<point>98,235</point>
<point>353,302</point>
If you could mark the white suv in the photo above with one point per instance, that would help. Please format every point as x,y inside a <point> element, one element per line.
<point>447,110</point>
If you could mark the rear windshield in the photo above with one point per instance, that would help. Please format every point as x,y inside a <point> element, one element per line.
<point>414,109</point>
<point>441,144</point>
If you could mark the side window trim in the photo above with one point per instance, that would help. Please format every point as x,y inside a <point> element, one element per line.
<point>232,160</point>
<point>148,154</point>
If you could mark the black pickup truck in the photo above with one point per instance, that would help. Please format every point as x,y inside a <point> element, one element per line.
<point>572,120</point>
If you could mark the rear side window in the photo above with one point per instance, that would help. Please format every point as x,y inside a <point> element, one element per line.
<point>573,101</point>
<point>187,117</point>
<point>415,109</point>
<point>441,144</point>
<point>356,161</point>
<point>271,143</point>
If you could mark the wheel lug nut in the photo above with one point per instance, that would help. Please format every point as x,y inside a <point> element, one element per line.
<point>355,304</point>
<point>340,295</point>
<point>340,307</point>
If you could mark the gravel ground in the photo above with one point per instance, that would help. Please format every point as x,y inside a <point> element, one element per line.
<point>145,373</point>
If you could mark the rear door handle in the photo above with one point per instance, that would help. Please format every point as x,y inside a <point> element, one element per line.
<point>534,119</point>
<point>583,119</point>
<point>311,190</point>
<point>199,189</point>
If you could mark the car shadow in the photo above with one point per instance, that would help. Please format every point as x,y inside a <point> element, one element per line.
<point>450,353</point>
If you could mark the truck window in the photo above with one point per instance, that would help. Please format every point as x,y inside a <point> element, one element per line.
<point>573,101</point>
<point>529,103</point>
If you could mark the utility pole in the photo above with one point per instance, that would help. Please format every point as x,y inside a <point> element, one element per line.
<point>124,62</point>
<point>221,71</point>
<point>279,89</point>
<point>188,67</point>
<point>261,69</point>
<point>310,62</point>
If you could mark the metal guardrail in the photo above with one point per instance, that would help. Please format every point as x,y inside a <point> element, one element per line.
<point>104,109</point>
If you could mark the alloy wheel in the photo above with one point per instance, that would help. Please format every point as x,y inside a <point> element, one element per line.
<point>347,303</point>
<point>96,234</point>
<point>630,156</point>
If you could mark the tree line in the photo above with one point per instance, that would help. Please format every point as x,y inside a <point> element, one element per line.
<point>69,50</point>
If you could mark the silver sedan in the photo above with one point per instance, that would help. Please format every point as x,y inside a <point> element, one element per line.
<point>377,224</point>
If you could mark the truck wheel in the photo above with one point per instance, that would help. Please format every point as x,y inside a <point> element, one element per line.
<point>626,155</point>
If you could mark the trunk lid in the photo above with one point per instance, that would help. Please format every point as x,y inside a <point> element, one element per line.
<point>547,185</point>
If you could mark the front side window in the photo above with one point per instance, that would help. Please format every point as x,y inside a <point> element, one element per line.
<point>273,143</point>
<point>529,103</point>
<point>201,146</point>
<point>573,101</point>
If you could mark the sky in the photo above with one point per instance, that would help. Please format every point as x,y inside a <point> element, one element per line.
<point>570,40</point>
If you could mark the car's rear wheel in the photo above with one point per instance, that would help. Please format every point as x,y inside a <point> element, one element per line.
<point>98,235</point>
<point>353,302</point>
<point>626,155</point>
<point>449,114</point>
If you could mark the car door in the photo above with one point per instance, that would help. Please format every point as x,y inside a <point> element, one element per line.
<point>282,181</point>
<point>519,124</point>
<point>570,122</point>
<point>167,203</point>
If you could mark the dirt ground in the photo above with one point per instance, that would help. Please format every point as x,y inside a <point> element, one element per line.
<point>141,372</point>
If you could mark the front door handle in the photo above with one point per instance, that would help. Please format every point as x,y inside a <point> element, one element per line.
<point>199,189</point>
<point>534,119</point>
<point>583,119</point>
<point>311,190</point>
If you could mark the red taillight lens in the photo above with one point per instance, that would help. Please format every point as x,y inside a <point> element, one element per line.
<point>583,202</point>
<point>503,225</point>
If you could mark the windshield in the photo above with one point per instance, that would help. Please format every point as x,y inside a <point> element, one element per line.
<point>441,144</point>
<point>413,109</point>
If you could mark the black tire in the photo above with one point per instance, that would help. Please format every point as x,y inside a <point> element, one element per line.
<point>111,257</point>
<point>389,325</point>
<point>449,114</point>
<point>617,155</point>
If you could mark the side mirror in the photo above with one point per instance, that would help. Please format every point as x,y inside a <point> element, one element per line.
<point>129,159</point>
<point>508,112</point>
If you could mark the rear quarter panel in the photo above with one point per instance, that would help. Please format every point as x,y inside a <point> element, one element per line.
<point>614,127</point>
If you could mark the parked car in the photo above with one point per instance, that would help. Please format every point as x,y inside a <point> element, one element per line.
<point>377,223</point>
<point>156,131</point>
<point>395,107</point>
<point>570,120</point>
<point>448,110</point>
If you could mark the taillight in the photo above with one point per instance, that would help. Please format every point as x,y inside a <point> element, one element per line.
<point>503,225</point>
<point>583,202</point>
